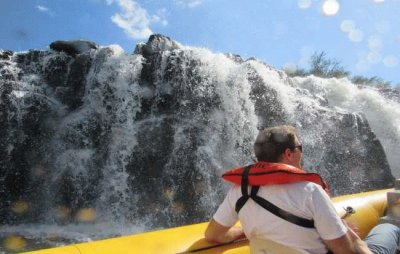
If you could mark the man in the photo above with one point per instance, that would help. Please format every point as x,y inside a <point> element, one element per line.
<point>290,207</point>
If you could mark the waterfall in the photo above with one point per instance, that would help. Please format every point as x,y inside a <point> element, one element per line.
<point>132,142</point>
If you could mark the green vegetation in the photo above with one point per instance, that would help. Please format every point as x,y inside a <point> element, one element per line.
<point>321,66</point>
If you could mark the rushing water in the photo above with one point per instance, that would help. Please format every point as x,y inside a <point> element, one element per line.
<point>192,122</point>
<point>382,112</point>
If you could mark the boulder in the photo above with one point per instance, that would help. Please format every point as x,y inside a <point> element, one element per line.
<point>73,47</point>
<point>156,44</point>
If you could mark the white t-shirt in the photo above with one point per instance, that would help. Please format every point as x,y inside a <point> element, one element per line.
<point>304,199</point>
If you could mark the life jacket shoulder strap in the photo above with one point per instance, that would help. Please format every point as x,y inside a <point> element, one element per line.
<point>266,204</point>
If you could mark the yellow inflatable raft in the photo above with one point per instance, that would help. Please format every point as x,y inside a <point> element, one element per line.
<point>369,208</point>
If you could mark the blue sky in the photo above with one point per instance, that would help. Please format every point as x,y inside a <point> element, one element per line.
<point>363,35</point>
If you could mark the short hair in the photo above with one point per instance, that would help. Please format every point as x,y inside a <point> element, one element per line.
<point>271,142</point>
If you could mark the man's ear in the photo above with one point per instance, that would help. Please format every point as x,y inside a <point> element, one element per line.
<point>287,154</point>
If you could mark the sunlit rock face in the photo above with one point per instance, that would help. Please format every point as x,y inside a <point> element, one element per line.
<point>144,138</point>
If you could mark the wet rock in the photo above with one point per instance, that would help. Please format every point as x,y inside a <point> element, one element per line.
<point>157,43</point>
<point>6,54</point>
<point>74,47</point>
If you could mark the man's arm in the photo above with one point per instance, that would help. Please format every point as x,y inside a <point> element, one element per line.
<point>216,232</point>
<point>350,243</point>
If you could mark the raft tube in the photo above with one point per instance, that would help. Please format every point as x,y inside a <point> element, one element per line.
<point>369,208</point>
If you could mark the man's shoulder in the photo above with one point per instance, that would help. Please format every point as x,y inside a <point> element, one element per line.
<point>305,186</point>
<point>299,188</point>
<point>305,189</point>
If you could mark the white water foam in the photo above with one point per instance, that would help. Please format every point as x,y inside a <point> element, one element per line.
<point>382,113</point>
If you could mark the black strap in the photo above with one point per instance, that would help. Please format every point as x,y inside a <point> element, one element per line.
<point>266,204</point>
<point>245,196</point>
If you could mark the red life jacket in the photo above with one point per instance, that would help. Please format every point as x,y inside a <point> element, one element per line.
<point>267,173</point>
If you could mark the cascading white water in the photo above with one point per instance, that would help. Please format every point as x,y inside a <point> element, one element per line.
<point>382,113</point>
<point>110,103</point>
<point>200,120</point>
<point>231,126</point>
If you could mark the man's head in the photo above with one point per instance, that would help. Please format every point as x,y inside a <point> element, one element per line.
<point>278,144</point>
